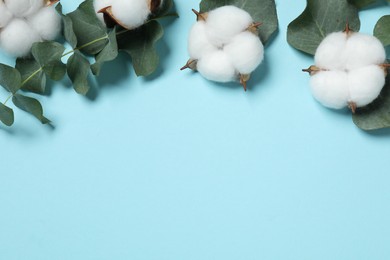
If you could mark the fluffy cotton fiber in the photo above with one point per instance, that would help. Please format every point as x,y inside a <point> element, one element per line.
<point>225,22</point>
<point>24,8</point>
<point>18,37</point>
<point>245,51</point>
<point>5,15</point>
<point>128,13</point>
<point>46,22</point>
<point>350,70</point>
<point>99,5</point>
<point>131,13</point>
<point>216,66</point>
<point>198,42</point>
<point>25,22</point>
<point>223,47</point>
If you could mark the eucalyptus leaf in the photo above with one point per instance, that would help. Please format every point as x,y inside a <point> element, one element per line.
<point>32,74</point>
<point>109,53</point>
<point>31,106</point>
<point>10,78</point>
<point>319,19</point>
<point>90,32</point>
<point>78,69</point>
<point>68,32</point>
<point>382,30</point>
<point>140,45</point>
<point>48,55</point>
<point>6,115</point>
<point>362,3</point>
<point>263,11</point>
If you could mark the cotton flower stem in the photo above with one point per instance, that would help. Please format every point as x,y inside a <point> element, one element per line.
<point>8,98</point>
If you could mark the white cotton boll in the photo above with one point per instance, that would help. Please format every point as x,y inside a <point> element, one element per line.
<point>364,50</point>
<point>47,22</point>
<point>245,51</point>
<point>330,88</point>
<point>331,53</point>
<point>216,66</point>
<point>99,5</point>
<point>18,37</point>
<point>24,8</point>
<point>198,43</point>
<point>131,13</point>
<point>365,84</point>
<point>5,15</point>
<point>225,22</point>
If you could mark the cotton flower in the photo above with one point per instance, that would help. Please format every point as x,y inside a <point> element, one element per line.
<point>349,70</point>
<point>224,46</point>
<point>129,14</point>
<point>25,22</point>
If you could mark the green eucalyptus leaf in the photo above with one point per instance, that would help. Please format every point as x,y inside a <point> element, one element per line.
<point>319,19</point>
<point>6,115</point>
<point>32,74</point>
<point>362,3</point>
<point>78,69</point>
<point>10,78</point>
<point>140,45</point>
<point>109,53</point>
<point>68,32</point>
<point>90,32</point>
<point>263,11</point>
<point>377,114</point>
<point>48,55</point>
<point>31,106</point>
<point>382,30</point>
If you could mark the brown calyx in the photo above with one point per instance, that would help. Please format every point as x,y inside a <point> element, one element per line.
<point>109,18</point>
<point>254,28</point>
<point>200,16</point>
<point>352,106</point>
<point>191,64</point>
<point>154,5</point>
<point>312,70</point>
<point>51,2</point>
<point>244,79</point>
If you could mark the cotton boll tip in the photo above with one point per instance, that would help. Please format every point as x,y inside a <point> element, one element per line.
<point>254,28</point>
<point>200,16</point>
<point>244,78</point>
<point>107,17</point>
<point>51,2</point>
<point>154,5</point>
<point>312,70</point>
<point>191,64</point>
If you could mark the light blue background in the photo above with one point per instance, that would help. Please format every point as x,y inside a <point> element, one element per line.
<point>174,167</point>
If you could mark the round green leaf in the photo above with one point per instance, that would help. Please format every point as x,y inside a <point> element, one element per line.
<point>6,115</point>
<point>10,78</point>
<point>382,30</point>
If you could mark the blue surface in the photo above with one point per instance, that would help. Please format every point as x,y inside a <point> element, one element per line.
<point>178,168</point>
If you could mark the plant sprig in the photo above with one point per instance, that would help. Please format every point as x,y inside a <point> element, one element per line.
<point>88,37</point>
